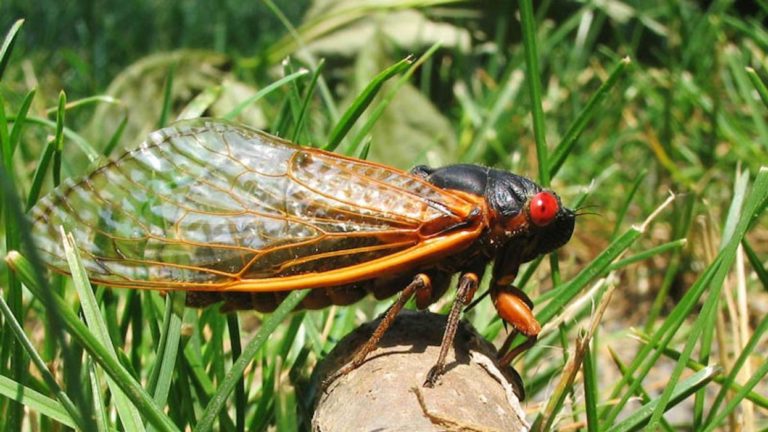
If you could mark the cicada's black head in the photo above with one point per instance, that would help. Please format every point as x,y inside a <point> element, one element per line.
<point>533,219</point>
<point>528,221</point>
<point>533,222</point>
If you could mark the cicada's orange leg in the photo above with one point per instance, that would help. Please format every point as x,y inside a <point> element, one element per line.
<point>464,293</point>
<point>421,286</point>
<point>515,308</point>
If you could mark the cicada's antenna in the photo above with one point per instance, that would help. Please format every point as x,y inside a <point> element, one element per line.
<point>580,211</point>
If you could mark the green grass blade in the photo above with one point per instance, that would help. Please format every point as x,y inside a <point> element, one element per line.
<point>683,217</point>
<point>293,99</point>
<point>758,377</point>
<point>568,291</point>
<point>708,322</point>
<point>363,100</point>
<point>167,350</point>
<point>376,113</point>
<point>757,196</point>
<point>197,368</point>
<point>129,415</point>
<point>627,201</point>
<point>647,357</point>
<point>266,401</point>
<point>648,253</point>
<point>317,65</point>
<point>263,92</point>
<point>39,176</point>
<point>308,93</point>
<point>58,139</point>
<point>13,415</point>
<point>5,138</point>
<point>233,326</point>
<point>17,230</point>
<point>756,263</point>
<point>314,336</point>
<point>115,138</point>
<point>505,97</point>
<point>640,391</point>
<point>35,401</point>
<point>290,104</point>
<point>285,411</point>
<point>197,106</point>
<point>681,311</point>
<point>533,75</point>
<point>101,417</point>
<point>165,112</point>
<point>90,151</point>
<point>20,120</point>
<point>591,392</point>
<point>758,399</point>
<point>638,419</point>
<point>90,100</point>
<point>574,132</point>
<point>287,112</point>
<point>7,47</point>
<point>102,355</point>
<point>745,93</point>
<point>575,361</point>
<point>762,90</point>
<point>365,147</point>
<point>734,210</point>
<point>238,367</point>
<point>749,349</point>
<point>65,403</point>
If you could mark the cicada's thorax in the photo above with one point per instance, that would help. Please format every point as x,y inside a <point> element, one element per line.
<point>523,220</point>
<point>504,195</point>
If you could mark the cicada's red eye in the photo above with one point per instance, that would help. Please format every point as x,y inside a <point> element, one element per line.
<point>543,208</point>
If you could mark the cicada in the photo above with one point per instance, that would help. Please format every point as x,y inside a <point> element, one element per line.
<point>236,216</point>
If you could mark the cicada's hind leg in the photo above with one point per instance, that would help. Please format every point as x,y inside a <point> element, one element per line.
<point>421,286</point>
<point>515,308</point>
<point>464,293</point>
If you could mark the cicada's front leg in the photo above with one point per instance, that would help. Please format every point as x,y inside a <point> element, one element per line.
<point>464,293</point>
<point>515,308</point>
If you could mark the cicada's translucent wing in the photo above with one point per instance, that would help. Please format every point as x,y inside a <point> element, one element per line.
<point>206,204</point>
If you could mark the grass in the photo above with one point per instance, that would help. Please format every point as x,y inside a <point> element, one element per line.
<point>652,312</point>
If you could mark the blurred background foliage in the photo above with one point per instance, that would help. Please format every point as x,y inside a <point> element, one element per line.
<point>85,44</point>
